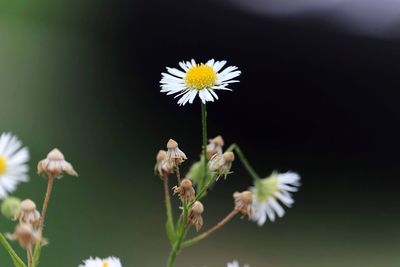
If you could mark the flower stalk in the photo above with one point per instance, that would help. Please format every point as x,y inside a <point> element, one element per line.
<point>245,162</point>
<point>213,229</point>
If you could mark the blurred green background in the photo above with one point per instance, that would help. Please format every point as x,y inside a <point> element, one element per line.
<point>83,76</point>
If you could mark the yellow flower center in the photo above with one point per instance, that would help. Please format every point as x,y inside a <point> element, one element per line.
<point>3,165</point>
<point>200,76</point>
<point>105,264</point>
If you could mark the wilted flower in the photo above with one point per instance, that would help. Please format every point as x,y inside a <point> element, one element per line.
<point>221,164</point>
<point>54,165</point>
<point>97,262</point>
<point>215,146</point>
<point>28,213</point>
<point>201,79</point>
<point>25,235</point>
<point>13,167</point>
<point>185,190</point>
<point>235,264</point>
<point>267,191</point>
<point>195,217</point>
<point>162,166</point>
<point>174,156</point>
<point>243,203</point>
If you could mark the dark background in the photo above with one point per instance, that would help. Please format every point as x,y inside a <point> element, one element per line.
<point>84,77</point>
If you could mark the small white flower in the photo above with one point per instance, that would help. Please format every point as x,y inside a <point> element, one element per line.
<point>235,264</point>
<point>97,262</point>
<point>13,167</point>
<point>202,79</point>
<point>268,191</point>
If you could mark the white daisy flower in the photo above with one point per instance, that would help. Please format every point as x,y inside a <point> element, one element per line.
<point>268,191</point>
<point>202,79</point>
<point>97,262</point>
<point>13,167</point>
<point>235,264</point>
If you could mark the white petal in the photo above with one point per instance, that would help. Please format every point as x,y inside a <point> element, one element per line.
<point>218,65</point>
<point>276,207</point>
<point>176,72</point>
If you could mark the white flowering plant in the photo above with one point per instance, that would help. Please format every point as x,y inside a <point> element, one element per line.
<point>262,201</point>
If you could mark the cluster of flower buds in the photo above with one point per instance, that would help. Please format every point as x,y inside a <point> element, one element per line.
<point>27,231</point>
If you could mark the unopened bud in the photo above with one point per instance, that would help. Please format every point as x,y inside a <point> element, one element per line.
<point>55,165</point>
<point>195,217</point>
<point>174,156</point>
<point>243,202</point>
<point>10,207</point>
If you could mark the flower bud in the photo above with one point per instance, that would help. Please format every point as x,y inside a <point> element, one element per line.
<point>243,202</point>
<point>174,156</point>
<point>185,190</point>
<point>162,166</point>
<point>215,146</point>
<point>195,217</point>
<point>55,165</point>
<point>221,164</point>
<point>10,207</point>
<point>26,235</point>
<point>28,213</point>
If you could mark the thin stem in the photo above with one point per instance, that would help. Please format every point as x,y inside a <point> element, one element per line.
<point>178,174</point>
<point>204,189</point>
<point>207,233</point>
<point>46,202</point>
<point>30,255</point>
<point>170,219</point>
<point>204,135</point>
<point>245,162</point>
<point>14,256</point>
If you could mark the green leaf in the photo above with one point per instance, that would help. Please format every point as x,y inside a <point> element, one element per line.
<point>14,256</point>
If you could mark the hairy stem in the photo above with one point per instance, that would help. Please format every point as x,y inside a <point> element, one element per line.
<point>245,162</point>
<point>213,229</point>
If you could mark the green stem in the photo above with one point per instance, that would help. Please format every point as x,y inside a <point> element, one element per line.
<point>15,258</point>
<point>204,135</point>
<point>245,162</point>
<point>168,208</point>
<point>181,231</point>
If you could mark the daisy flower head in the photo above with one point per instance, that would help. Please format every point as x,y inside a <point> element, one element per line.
<point>198,79</point>
<point>235,264</point>
<point>267,192</point>
<point>13,163</point>
<point>97,262</point>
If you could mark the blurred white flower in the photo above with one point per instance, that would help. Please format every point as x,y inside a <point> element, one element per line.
<point>267,191</point>
<point>97,262</point>
<point>194,78</point>
<point>235,264</point>
<point>13,167</point>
